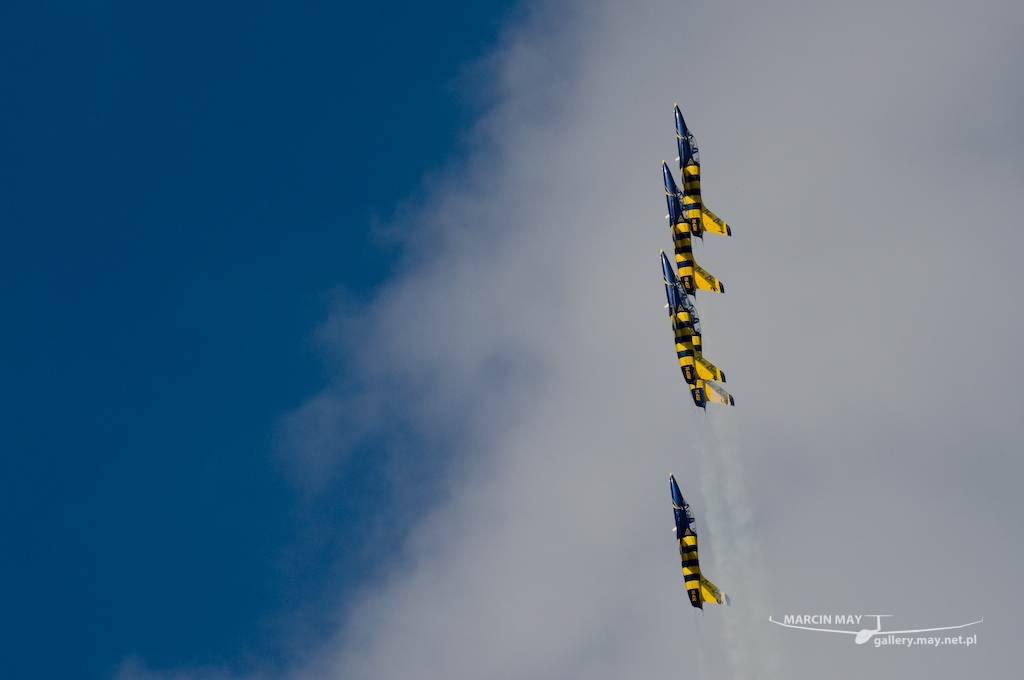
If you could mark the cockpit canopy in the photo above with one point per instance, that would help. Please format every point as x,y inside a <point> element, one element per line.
<point>688,154</point>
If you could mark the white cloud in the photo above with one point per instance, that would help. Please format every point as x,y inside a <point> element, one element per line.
<point>868,158</point>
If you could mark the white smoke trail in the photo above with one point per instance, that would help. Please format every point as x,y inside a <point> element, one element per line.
<point>738,567</point>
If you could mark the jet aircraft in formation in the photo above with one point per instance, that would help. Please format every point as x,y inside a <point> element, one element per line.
<point>700,218</point>
<point>688,217</point>
<point>691,275</point>
<point>697,371</point>
<point>698,588</point>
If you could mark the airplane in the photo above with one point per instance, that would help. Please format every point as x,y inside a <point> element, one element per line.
<point>696,213</point>
<point>866,634</point>
<point>691,274</point>
<point>698,588</point>
<point>697,371</point>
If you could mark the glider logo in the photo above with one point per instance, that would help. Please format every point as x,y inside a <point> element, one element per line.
<point>865,634</point>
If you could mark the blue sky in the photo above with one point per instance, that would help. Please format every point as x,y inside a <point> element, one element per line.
<point>185,189</point>
<point>248,434</point>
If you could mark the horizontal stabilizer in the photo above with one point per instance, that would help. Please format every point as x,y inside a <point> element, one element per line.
<point>714,224</point>
<point>706,281</point>
<point>714,393</point>
<point>708,371</point>
<point>709,592</point>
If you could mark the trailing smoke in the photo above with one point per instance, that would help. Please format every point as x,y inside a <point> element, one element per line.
<point>736,564</point>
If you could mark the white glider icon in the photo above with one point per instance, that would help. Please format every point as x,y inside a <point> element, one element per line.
<point>866,634</point>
